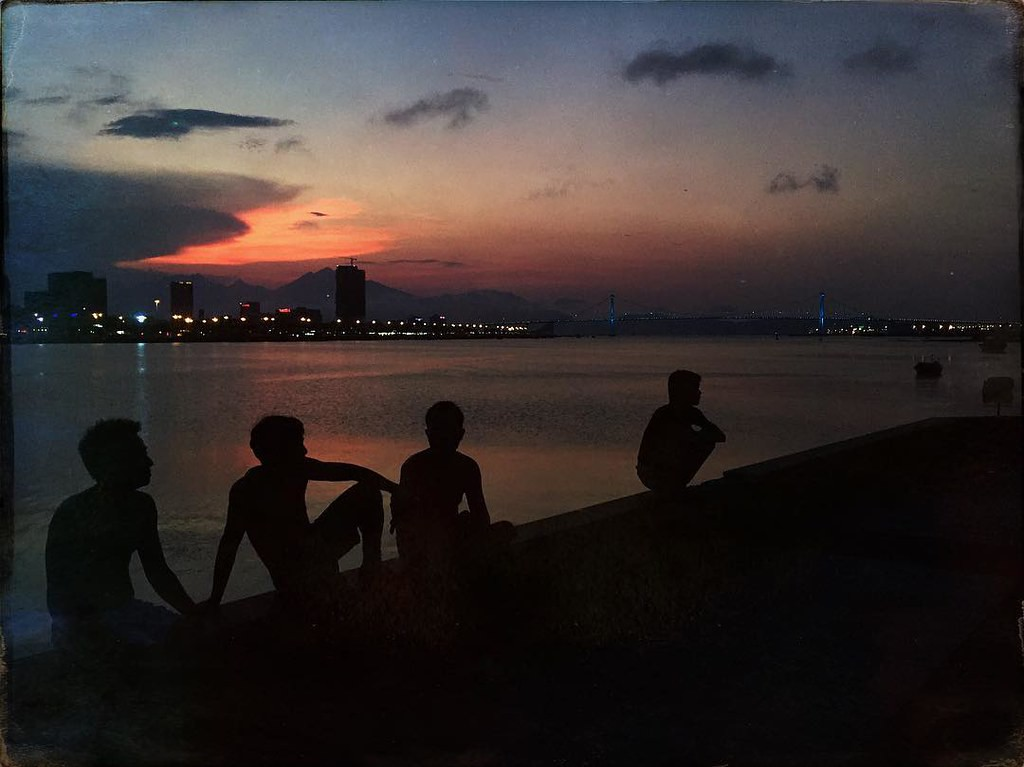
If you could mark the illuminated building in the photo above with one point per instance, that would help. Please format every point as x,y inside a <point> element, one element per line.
<point>182,305</point>
<point>350,293</point>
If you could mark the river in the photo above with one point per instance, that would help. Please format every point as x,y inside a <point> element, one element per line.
<point>553,423</point>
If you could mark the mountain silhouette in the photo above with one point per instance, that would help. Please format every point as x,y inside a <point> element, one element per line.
<point>134,292</point>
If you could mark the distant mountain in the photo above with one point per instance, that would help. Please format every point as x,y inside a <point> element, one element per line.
<point>136,291</point>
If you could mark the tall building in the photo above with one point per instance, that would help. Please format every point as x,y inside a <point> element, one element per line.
<point>68,294</point>
<point>350,293</point>
<point>182,305</point>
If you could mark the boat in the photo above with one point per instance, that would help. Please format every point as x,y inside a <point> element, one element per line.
<point>928,368</point>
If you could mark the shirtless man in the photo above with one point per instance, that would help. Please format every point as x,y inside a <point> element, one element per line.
<point>426,519</point>
<point>268,504</point>
<point>678,438</point>
<point>90,543</point>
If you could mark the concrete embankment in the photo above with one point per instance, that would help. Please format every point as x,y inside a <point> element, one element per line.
<point>854,604</point>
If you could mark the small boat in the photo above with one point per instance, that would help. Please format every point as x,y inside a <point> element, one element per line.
<point>928,369</point>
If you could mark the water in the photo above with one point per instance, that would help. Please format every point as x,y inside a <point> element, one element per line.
<point>554,423</point>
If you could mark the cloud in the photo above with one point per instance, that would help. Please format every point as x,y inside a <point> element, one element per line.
<point>48,100</point>
<point>175,123</point>
<point>316,213</point>
<point>305,225</point>
<point>407,261</point>
<point>460,106</point>
<point>662,66</point>
<point>106,101</point>
<point>13,93</point>
<point>291,144</point>
<point>563,187</point>
<point>470,76</point>
<point>252,144</point>
<point>885,57</point>
<point>824,180</point>
<point>65,218</point>
<point>784,182</point>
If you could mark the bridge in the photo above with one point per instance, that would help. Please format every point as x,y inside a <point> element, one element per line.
<point>608,315</point>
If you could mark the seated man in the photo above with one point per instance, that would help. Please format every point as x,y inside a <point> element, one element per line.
<point>429,528</point>
<point>269,505</point>
<point>678,438</point>
<point>90,543</point>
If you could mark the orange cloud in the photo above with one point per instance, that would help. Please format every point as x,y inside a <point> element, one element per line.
<point>310,231</point>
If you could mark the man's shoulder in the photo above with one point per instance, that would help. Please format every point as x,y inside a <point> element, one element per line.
<point>466,463</point>
<point>417,459</point>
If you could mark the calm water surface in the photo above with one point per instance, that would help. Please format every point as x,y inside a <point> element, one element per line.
<point>554,423</point>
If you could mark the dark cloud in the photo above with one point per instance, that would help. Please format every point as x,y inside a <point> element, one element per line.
<point>886,57</point>
<point>291,144</point>
<point>316,213</point>
<point>824,179</point>
<point>784,182</point>
<point>106,101</point>
<point>305,225</point>
<point>460,106</point>
<point>564,187</point>
<point>48,100</point>
<point>175,123</point>
<point>252,144</point>
<point>662,66</point>
<point>63,218</point>
<point>485,78</point>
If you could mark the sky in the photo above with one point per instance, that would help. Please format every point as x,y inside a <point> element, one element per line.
<point>685,156</point>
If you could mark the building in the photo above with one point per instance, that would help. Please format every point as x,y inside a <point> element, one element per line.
<point>69,294</point>
<point>182,303</point>
<point>249,310</point>
<point>350,293</point>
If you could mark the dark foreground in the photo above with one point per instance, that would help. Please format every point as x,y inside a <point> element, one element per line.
<point>855,604</point>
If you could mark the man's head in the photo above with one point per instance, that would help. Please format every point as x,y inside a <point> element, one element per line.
<point>278,439</point>
<point>684,388</point>
<point>444,426</point>
<point>115,455</point>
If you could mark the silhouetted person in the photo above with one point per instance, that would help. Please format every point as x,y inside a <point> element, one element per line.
<point>429,528</point>
<point>678,438</point>
<point>90,543</point>
<point>268,504</point>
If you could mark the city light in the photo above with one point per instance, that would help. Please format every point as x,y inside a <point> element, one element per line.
<point>140,318</point>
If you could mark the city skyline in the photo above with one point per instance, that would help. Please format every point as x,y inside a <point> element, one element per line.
<point>683,155</point>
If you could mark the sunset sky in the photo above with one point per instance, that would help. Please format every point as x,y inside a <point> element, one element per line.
<point>685,156</point>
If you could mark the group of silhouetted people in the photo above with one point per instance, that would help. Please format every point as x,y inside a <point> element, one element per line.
<point>94,534</point>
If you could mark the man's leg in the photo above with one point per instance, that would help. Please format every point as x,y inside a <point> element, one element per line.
<point>358,512</point>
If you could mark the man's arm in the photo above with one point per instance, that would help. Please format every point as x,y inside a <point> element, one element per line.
<point>160,576</point>
<point>708,430</point>
<point>234,530</point>
<point>325,471</point>
<point>475,496</point>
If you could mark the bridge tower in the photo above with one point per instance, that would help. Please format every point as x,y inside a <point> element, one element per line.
<point>821,314</point>
<point>611,314</point>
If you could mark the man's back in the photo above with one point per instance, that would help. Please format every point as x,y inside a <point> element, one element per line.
<point>89,547</point>
<point>271,504</point>
<point>437,481</point>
